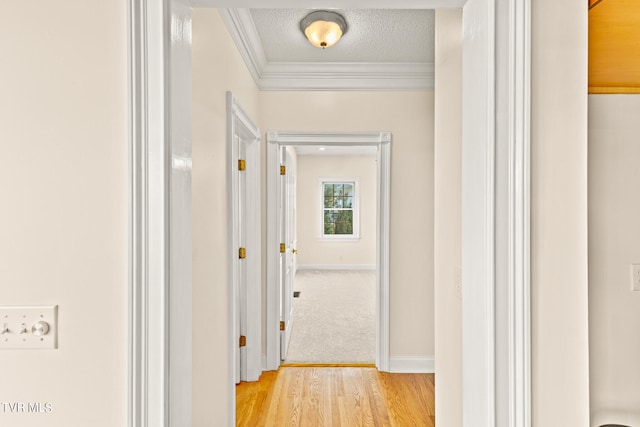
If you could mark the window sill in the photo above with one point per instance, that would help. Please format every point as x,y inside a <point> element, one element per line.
<point>339,238</point>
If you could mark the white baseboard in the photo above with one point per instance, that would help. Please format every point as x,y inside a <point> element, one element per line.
<point>336,267</point>
<point>412,365</point>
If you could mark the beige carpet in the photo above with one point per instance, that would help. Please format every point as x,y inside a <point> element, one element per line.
<point>334,317</point>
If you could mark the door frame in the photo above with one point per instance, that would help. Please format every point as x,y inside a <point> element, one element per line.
<point>239,124</point>
<point>496,252</point>
<point>275,141</point>
<point>160,240</point>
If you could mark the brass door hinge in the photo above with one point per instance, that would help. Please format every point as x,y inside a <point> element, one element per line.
<point>283,170</point>
<point>282,325</point>
<point>242,165</point>
<point>242,253</point>
<point>243,341</point>
<point>283,248</point>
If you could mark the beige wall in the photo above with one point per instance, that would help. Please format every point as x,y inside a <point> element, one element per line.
<point>409,116</point>
<point>217,67</point>
<point>314,251</point>
<point>560,354</point>
<point>614,244</point>
<point>448,217</point>
<point>63,221</point>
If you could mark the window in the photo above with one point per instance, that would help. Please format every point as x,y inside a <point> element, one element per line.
<point>339,208</point>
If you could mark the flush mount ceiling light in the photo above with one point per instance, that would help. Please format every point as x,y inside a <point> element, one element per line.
<point>323,28</point>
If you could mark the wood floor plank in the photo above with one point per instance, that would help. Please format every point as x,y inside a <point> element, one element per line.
<point>336,397</point>
<point>409,397</point>
<point>378,400</point>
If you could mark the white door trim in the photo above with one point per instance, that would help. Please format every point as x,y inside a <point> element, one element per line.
<point>239,124</point>
<point>519,205</point>
<point>148,230</point>
<point>159,351</point>
<point>496,213</point>
<point>275,140</point>
<point>478,216</point>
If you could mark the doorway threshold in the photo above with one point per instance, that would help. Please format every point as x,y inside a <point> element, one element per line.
<point>328,365</point>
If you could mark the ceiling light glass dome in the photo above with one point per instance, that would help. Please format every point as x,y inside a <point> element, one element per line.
<point>323,28</point>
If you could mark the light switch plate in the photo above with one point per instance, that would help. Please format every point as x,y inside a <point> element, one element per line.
<point>635,277</point>
<point>29,327</point>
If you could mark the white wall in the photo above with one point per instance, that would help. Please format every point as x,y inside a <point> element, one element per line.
<point>560,353</point>
<point>409,116</point>
<point>217,67</point>
<point>448,217</point>
<point>314,251</point>
<point>63,192</point>
<point>614,227</point>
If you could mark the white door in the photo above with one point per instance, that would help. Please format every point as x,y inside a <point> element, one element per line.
<point>288,257</point>
<point>245,243</point>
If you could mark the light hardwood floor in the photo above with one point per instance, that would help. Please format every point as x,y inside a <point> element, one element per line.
<point>336,397</point>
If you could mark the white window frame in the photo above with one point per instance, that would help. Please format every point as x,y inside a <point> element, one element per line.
<point>356,209</point>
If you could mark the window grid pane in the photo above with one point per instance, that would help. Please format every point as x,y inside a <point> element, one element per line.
<point>338,208</point>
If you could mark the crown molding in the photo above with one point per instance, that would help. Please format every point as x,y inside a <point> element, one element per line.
<point>323,75</point>
<point>346,76</point>
<point>244,34</point>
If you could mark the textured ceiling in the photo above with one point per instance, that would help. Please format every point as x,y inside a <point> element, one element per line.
<point>374,35</point>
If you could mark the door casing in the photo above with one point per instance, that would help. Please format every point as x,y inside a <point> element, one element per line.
<point>159,103</point>
<point>275,141</point>
<point>245,303</point>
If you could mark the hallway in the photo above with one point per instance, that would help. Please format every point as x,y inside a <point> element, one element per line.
<point>336,397</point>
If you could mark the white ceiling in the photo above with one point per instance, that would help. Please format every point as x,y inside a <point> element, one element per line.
<point>383,49</point>
<point>373,35</point>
